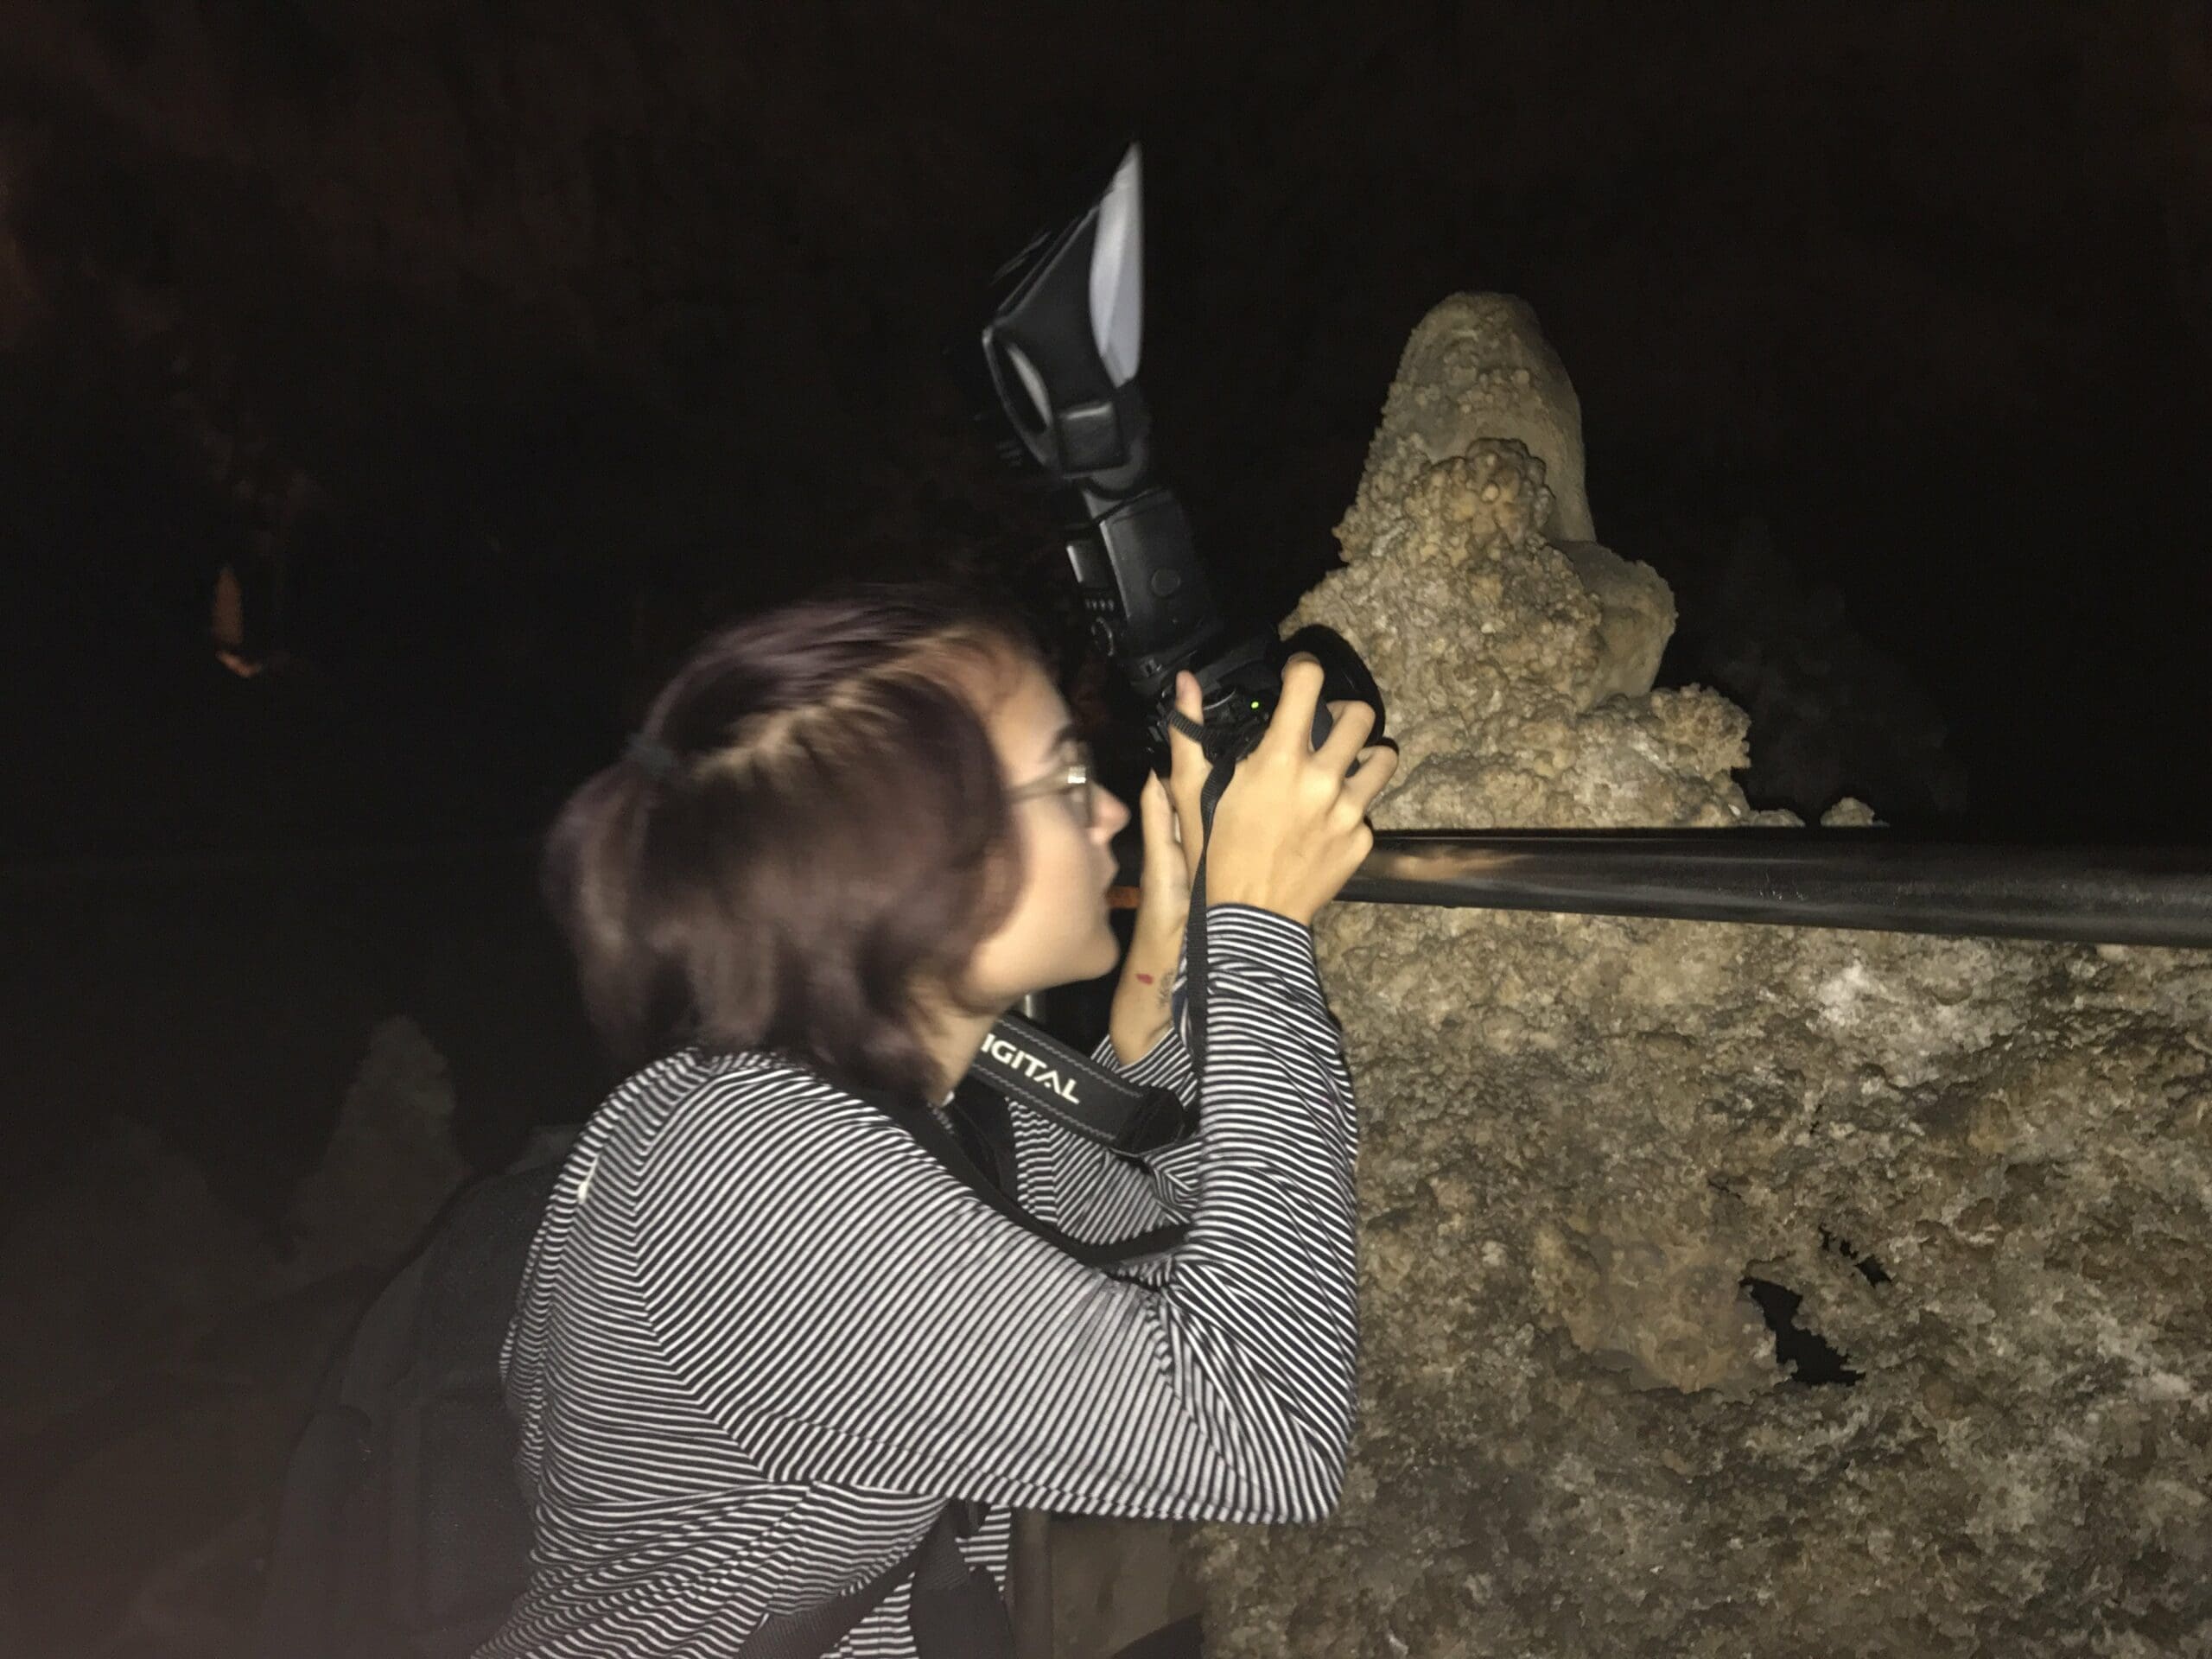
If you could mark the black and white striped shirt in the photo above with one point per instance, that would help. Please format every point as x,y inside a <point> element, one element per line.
<point>764,1335</point>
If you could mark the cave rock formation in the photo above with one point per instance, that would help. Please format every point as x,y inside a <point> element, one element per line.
<point>1725,1289</point>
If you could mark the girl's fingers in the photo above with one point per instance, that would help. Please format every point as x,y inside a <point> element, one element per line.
<point>1353,721</point>
<point>1162,827</point>
<point>1376,765</point>
<point>1159,816</point>
<point>1292,726</point>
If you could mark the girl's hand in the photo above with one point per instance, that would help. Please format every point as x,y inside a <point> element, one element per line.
<point>1173,837</point>
<point>1173,826</point>
<point>1164,886</point>
<point>1291,829</point>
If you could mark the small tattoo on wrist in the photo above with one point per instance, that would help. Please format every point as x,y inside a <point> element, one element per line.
<point>1145,978</point>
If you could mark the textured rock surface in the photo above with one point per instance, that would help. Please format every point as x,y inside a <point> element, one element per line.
<point>1604,1156</point>
<point>1477,367</point>
<point>392,1162</point>
<point>162,1353</point>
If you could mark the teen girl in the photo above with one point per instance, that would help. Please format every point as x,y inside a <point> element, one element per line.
<point>765,1336</point>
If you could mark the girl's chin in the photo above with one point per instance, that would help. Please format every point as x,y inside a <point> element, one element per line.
<point>1106,951</point>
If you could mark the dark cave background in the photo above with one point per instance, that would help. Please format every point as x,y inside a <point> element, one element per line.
<point>499,347</point>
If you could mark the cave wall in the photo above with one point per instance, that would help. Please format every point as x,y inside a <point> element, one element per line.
<point>1724,1289</point>
<point>509,340</point>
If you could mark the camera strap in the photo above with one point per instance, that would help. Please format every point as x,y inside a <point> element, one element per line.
<point>1036,1069</point>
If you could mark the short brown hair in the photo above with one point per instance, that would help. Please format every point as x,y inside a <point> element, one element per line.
<point>828,826</point>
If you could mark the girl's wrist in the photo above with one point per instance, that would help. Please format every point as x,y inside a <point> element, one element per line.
<point>1156,921</point>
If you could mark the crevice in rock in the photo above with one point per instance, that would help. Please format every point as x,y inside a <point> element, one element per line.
<point>1872,1271</point>
<point>1805,1355</point>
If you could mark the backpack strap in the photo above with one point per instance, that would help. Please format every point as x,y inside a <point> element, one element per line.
<point>943,1145</point>
<point>956,1612</point>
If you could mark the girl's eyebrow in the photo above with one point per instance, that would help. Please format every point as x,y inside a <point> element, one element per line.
<point>1061,739</point>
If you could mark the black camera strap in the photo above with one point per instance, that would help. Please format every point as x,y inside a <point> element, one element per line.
<point>1036,1069</point>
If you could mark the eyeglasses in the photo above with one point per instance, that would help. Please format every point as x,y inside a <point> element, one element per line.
<point>1073,780</point>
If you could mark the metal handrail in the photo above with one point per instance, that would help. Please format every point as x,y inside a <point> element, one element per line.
<point>1870,879</point>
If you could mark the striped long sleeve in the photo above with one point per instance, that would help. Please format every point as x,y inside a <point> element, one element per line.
<point>1101,1197</point>
<point>764,1335</point>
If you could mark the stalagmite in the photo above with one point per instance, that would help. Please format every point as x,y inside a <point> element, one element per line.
<point>1726,1290</point>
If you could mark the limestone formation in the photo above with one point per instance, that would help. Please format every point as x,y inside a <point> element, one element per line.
<point>176,1347</point>
<point>1727,1290</point>
<point>1475,367</point>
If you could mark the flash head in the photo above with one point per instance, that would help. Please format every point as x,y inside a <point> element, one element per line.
<point>1067,335</point>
